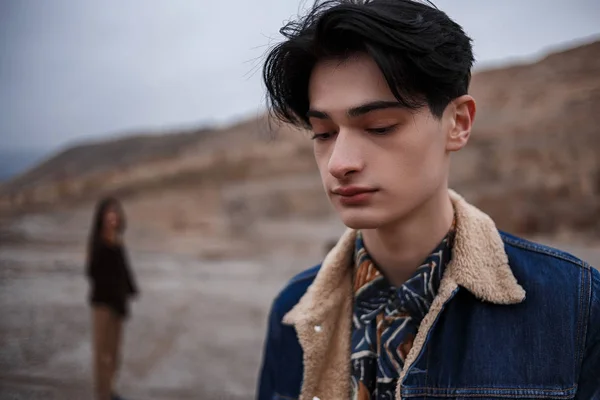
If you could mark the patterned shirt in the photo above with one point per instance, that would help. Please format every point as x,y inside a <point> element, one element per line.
<point>386,319</point>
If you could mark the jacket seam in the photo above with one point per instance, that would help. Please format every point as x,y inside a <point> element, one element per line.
<point>427,366</point>
<point>505,396</point>
<point>275,343</point>
<point>495,389</point>
<point>586,314</point>
<point>427,339</point>
<point>285,397</point>
<point>579,319</point>
<point>517,392</point>
<point>543,250</point>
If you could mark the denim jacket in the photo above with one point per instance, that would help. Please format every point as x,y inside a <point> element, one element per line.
<point>512,319</point>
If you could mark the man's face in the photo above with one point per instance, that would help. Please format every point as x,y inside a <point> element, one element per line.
<point>378,162</point>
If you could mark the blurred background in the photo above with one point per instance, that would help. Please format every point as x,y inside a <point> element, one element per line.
<point>161,103</point>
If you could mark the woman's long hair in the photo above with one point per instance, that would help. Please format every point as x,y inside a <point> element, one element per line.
<point>95,238</point>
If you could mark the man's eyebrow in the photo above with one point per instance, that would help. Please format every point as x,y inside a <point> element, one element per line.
<point>373,106</point>
<point>358,111</point>
<point>317,114</point>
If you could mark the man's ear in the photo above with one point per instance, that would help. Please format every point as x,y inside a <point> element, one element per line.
<point>461,114</point>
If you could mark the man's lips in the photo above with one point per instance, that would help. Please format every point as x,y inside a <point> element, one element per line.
<point>349,191</point>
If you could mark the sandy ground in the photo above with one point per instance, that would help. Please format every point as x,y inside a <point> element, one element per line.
<point>195,333</point>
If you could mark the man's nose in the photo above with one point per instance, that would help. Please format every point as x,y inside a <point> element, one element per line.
<point>345,157</point>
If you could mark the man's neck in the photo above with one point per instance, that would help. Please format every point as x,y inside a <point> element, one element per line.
<point>399,248</point>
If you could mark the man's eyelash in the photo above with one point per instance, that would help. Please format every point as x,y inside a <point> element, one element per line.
<point>383,130</point>
<point>321,136</point>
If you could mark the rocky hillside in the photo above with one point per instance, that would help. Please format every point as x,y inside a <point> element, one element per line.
<point>532,161</point>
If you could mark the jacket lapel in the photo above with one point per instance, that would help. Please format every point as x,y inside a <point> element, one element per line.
<point>322,320</point>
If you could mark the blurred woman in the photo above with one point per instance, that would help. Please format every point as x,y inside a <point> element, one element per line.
<point>112,285</point>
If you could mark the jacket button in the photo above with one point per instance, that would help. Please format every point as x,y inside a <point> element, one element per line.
<point>318,328</point>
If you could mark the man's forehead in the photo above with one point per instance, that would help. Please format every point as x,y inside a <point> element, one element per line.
<point>336,86</point>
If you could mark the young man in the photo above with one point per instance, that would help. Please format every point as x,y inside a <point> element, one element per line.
<point>422,297</point>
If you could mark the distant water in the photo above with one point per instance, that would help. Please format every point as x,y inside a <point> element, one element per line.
<point>14,162</point>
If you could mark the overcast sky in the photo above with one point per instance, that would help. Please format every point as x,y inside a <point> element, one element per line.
<point>75,69</point>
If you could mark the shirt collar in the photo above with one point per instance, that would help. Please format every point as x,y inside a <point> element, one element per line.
<point>373,293</point>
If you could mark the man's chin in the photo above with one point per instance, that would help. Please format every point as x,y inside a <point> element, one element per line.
<point>360,219</point>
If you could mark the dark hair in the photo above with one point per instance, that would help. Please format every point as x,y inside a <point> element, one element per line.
<point>95,238</point>
<point>425,57</point>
